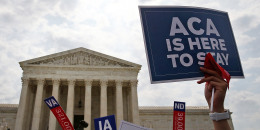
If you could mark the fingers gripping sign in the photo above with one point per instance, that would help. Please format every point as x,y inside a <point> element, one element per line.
<point>217,82</point>
<point>215,69</point>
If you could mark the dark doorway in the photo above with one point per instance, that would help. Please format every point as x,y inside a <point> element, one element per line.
<point>77,119</point>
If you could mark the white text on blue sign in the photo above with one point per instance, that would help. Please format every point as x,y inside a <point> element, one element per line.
<point>179,106</point>
<point>195,43</point>
<point>51,102</point>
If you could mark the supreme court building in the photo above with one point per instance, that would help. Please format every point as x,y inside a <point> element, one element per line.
<point>88,85</point>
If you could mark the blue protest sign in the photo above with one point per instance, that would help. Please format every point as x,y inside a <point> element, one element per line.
<point>51,102</point>
<point>177,40</point>
<point>105,123</point>
<point>179,106</point>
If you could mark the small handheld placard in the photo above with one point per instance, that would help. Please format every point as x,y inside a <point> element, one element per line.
<point>179,116</point>
<point>59,113</point>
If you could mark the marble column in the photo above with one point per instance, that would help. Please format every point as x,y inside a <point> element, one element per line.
<point>103,98</point>
<point>134,100</point>
<point>70,100</point>
<point>87,107</point>
<point>119,102</point>
<point>38,105</point>
<point>55,93</point>
<point>22,104</point>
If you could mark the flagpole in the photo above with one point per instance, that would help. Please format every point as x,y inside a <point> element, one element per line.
<point>212,100</point>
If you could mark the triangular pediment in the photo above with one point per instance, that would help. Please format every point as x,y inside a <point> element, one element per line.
<point>80,57</point>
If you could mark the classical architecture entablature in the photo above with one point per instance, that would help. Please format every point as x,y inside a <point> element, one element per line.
<point>82,82</point>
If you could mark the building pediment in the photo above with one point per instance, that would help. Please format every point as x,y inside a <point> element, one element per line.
<point>79,57</point>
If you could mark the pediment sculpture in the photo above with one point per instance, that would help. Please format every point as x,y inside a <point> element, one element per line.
<point>80,58</point>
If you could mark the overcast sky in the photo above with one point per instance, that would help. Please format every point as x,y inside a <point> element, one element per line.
<point>32,28</point>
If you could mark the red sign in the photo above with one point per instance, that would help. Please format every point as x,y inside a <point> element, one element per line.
<point>62,118</point>
<point>179,116</point>
<point>59,113</point>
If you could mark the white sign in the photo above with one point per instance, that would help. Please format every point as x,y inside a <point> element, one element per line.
<point>130,126</point>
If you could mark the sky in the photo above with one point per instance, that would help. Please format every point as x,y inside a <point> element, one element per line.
<point>32,28</point>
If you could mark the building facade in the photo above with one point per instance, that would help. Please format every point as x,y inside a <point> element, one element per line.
<point>88,85</point>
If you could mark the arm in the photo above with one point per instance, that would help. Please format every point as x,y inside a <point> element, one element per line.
<point>220,85</point>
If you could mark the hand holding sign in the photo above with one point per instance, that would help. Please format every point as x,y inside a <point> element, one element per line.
<point>220,86</point>
<point>214,78</point>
